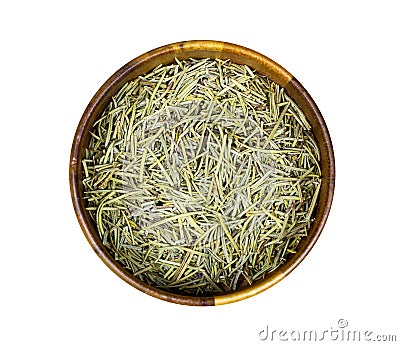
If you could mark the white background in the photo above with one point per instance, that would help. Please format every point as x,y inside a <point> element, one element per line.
<point>54,56</point>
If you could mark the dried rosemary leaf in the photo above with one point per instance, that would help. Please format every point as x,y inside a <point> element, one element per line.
<point>202,176</point>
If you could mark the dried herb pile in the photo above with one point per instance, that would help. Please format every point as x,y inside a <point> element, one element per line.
<point>201,176</point>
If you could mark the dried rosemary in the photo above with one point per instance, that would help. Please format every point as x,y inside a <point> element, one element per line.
<point>201,176</point>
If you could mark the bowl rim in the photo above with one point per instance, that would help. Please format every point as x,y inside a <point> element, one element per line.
<point>140,65</point>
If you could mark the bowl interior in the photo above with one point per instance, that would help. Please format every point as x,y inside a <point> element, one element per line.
<point>204,49</point>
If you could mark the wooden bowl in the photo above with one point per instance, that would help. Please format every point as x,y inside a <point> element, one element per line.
<point>203,49</point>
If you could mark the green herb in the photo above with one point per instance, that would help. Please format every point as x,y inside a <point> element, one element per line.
<point>202,176</point>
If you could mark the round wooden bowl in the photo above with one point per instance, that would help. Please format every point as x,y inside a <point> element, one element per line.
<point>203,49</point>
